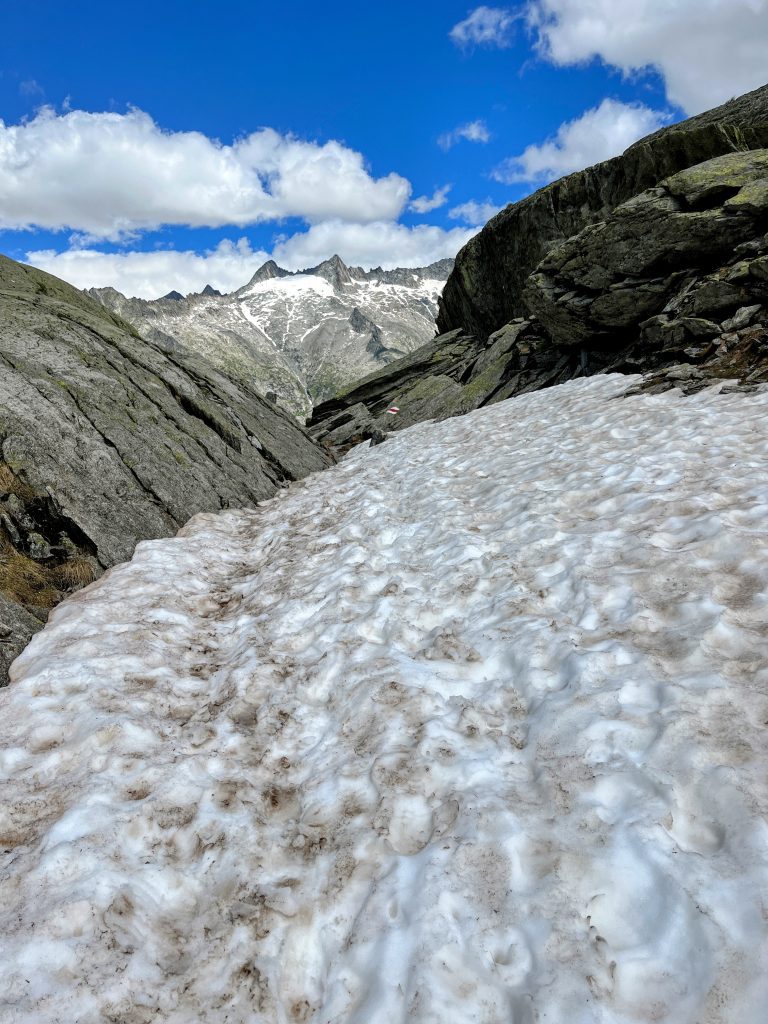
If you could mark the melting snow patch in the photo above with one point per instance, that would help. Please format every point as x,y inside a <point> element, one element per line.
<point>471,728</point>
<point>297,285</point>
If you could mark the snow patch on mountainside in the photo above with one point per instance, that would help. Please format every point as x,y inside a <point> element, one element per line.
<point>304,335</point>
<point>289,286</point>
<point>470,728</point>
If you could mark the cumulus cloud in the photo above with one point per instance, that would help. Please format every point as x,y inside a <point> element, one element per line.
<point>473,131</point>
<point>599,134</point>
<point>706,50</point>
<point>152,274</point>
<point>484,26</point>
<point>112,175</point>
<point>230,265</point>
<point>385,244</point>
<point>425,204</point>
<point>474,213</point>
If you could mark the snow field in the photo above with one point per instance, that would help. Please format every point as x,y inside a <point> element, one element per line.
<point>471,728</point>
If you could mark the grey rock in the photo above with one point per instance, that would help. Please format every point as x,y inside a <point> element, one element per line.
<point>407,277</point>
<point>10,529</point>
<point>615,274</point>
<point>485,290</point>
<point>714,296</point>
<point>741,318</point>
<point>268,272</point>
<point>346,425</point>
<point>17,625</point>
<point>683,372</point>
<point>38,547</point>
<point>334,270</point>
<point>15,506</point>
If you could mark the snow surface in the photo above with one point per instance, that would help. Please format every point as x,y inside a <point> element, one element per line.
<point>292,286</point>
<point>471,728</point>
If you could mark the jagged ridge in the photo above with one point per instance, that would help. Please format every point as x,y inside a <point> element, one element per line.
<point>297,333</point>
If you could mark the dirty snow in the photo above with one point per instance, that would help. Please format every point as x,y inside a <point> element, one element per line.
<point>471,728</point>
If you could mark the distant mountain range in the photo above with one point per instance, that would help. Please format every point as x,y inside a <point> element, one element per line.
<point>301,335</point>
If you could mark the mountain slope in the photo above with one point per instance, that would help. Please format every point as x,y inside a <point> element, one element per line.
<point>470,728</point>
<point>106,440</point>
<point>302,335</point>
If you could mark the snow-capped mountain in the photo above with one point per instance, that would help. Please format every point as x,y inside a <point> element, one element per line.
<point>301,335</point>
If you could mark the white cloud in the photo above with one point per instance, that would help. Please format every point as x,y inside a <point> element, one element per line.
<point>383,244</point>
<point>599,134</point>
<point>152,274</point>
<point>473,131</point>
<point>230,265</point>
<point>484,26</point>
<point>474,213</point>
<point>112,175</point>
<point>706,50</point>
<point>30,87</point>
<point>425,204</point>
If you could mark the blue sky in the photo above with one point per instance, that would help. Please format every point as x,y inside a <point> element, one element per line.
<point>394,129</point>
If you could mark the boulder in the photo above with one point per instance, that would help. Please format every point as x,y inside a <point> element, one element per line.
<point>613,275</point>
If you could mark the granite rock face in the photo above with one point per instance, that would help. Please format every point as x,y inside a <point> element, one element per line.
<point>600,285</point>
<point>107,439</point>
<point>674,284</point>
<point>485,290</point>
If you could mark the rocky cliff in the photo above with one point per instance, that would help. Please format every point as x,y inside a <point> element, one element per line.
<point>107,439</point>
<point>671,281</point>
<point>485,290</point>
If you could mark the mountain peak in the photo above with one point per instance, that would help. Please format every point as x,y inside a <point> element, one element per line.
<point>211,291</point>
<point>267,272</point>
<point>410,276</point>
<point>334,270</point>
<point>174,295</point>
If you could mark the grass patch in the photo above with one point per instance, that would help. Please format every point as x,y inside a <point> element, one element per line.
<point>11,484</point>
<point>71,575</point>
<point>24,580</point>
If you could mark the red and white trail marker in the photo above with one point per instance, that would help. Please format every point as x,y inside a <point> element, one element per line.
<point>393,410</point>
